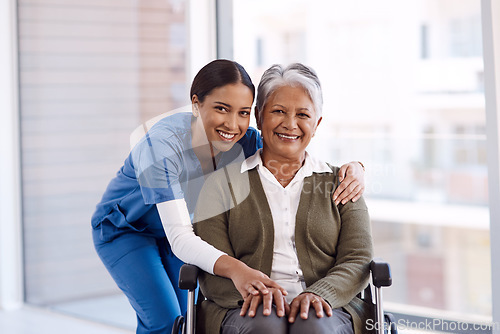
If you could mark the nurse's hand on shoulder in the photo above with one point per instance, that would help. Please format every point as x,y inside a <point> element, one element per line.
<point>352,183</point>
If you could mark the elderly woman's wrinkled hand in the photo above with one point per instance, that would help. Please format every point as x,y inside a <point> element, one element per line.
<point>304,301</point>
<point>275,296</point>
<point>352,183</point>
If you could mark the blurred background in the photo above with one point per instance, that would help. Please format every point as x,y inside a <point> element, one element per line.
<point>403,86</point>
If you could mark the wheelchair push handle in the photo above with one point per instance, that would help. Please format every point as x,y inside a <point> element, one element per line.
<point>381,273</point>
<point>188,277</point>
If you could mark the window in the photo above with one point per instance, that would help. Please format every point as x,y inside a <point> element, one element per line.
<point>402,94</point>
<point>90,73</point>
<point>463,41</point>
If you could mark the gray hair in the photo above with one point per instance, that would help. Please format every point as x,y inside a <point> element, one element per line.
<point>294,75</point>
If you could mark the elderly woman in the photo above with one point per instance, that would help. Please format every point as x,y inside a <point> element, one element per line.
<point>275,213</point>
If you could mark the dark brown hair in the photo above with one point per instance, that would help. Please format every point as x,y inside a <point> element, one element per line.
<point>219,73</point>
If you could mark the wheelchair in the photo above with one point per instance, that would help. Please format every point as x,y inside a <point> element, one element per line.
<point>383,323</point>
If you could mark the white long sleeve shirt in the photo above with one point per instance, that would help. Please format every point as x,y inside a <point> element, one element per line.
<point>186,245</point>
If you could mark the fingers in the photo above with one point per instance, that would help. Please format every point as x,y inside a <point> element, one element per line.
<point>262,286</point>
<point>251,304</point>
<point>318,307</point>
<point>246,305</point>
<point>321,307</point>
<point>342,172</point>
<point>258,287</point>
<point>272,284</point>
<point>348,190</point>
<point>279,301</point>
<point>351,176</point>
<point>277,298</point>
<point>339,194</point>
<point>303,302</point>
<point>250,290</point>
<point>287,308</point>
<point>294,310</point>
<point>304,307</point>
<point>356,193</point>
<point>254,304</point>
<point>353,192</point>
<point>346,177</point>
<point>249,281</point>
<point>267,304</point>
<point>327,308</point>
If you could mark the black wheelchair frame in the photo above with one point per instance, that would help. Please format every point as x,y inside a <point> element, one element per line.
<point>384,323</point>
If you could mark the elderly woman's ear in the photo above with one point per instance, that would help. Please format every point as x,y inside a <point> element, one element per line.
<point>317,124</point>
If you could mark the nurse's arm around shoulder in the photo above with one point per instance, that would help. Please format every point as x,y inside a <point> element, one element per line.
<point>190,248</point>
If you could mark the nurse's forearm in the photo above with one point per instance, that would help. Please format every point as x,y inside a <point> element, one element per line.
<point>187,246</point>
<point>227,266</point>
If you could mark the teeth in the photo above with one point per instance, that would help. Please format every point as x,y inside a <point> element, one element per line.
<point>287,137</point>
<point>226,135</point>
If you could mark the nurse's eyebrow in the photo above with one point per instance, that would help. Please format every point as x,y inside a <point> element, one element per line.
<point>224,104</point>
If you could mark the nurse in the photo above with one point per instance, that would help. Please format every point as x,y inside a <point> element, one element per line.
<point>142,226</point>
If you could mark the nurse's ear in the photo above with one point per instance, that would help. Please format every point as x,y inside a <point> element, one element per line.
<point>195,106</point>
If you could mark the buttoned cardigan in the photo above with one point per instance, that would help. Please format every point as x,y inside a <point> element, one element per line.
<point>333,243</point>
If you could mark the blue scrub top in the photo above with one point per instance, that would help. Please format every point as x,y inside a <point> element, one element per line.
<point>161,167</point>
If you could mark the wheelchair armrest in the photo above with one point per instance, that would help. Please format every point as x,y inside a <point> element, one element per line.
<point>381,273</point>
<point>188,277</point>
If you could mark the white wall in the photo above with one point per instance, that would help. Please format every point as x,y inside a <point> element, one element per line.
<point>11,275</point>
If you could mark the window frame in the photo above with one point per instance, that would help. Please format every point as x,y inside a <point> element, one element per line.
<point>11,245</point>
<point>490,21</point>
<point>202,37</point>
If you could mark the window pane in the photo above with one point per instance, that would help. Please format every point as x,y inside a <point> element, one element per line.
<point>403,90</point>
<point>90,73</point>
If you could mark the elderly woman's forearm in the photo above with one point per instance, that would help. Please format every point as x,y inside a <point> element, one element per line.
<point>350,273</point>
<point>342,284</point>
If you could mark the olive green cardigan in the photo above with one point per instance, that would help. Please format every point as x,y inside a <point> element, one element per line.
<point>333,243</point>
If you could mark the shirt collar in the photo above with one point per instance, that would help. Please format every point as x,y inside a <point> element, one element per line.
<point>311,164</point>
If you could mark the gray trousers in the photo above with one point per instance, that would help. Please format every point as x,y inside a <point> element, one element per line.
<point>338,323</point>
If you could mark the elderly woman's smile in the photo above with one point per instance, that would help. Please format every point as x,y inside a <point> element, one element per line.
<point>287,137</point>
